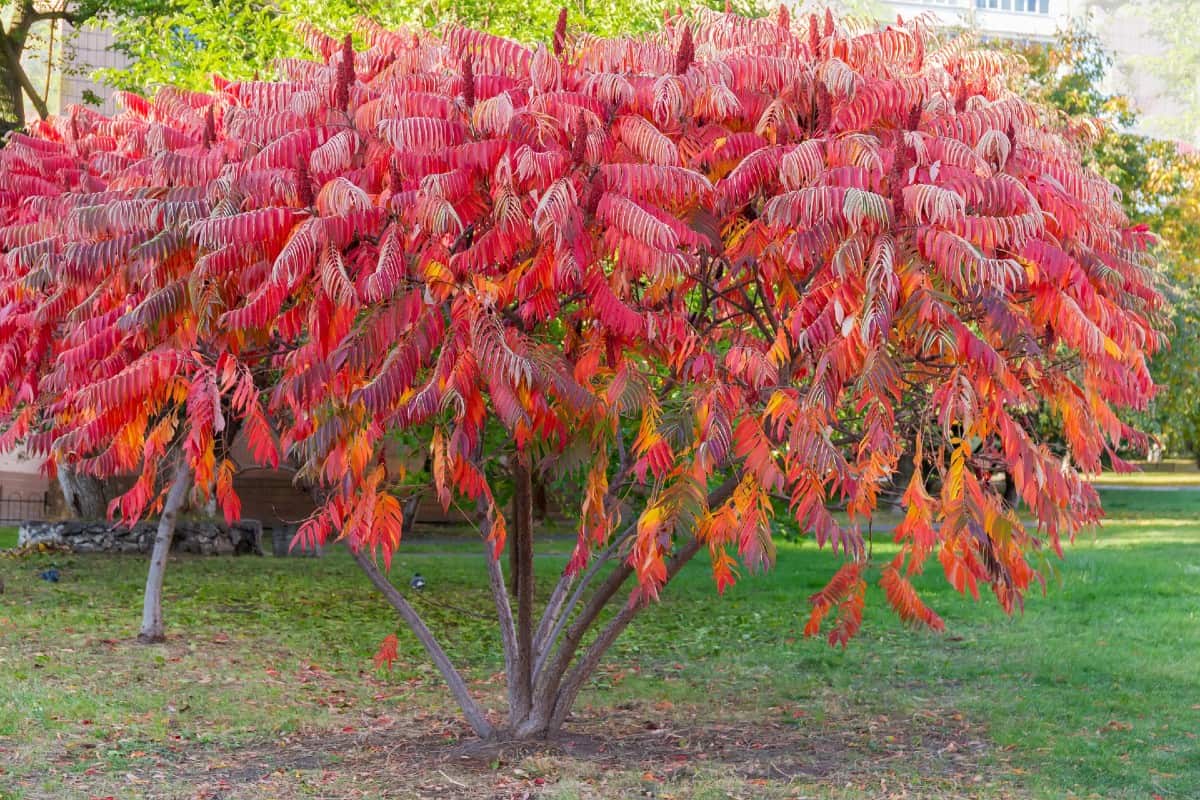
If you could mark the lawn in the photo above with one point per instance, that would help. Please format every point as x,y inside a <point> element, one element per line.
<point>266,687</point>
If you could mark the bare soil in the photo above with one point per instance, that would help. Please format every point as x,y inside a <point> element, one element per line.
<point>641,750</point>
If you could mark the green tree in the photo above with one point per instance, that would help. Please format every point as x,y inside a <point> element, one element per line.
<point>18,19</point>
<point>1160,187</point>
<point>192,39</point>
<point>189,40</point>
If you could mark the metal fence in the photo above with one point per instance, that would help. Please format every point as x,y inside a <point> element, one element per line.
<point>17,509</point>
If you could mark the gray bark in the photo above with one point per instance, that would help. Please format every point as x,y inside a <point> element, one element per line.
<point>458,687</point>
<point>504,615</point>
<point>588,662</point>
<point>16,82</point>
<point>522,694</point>
<point>84,494</point>
<point>555,689</point>
<point>152,616</point>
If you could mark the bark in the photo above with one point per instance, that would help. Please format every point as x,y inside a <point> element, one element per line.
<point>17,84</point>
<point>587,663</point>
<point>458,687</point>
<point>1010,490</point>
<point>522,544</point>
<point>559,610</point>
<point>905,468</point>
<point>152,617</point>
<point>546,686</point>
<point>555,689</point>
<point>83,494</point>
<point>508,634</point>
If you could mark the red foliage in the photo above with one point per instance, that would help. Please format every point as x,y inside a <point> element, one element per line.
<point>387,654</point>
<point>780,251</point>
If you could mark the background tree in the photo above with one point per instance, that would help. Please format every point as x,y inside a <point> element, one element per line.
<point>1160,188</point>
<point>670,266</point>
<point>17,21</point>
<point>188,41</point>
<point>113,361</point>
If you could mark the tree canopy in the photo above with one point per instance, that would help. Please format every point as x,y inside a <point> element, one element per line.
<point>731,269</point>
<point>1160,187</point>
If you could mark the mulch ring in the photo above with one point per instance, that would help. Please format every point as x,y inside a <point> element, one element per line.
<point>428,755</point>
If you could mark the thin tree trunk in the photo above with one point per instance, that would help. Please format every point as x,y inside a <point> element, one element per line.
<point>548,688</point>
<point>152,617</point>
<point>12,45</point>
<point>508,635</point>
<point>1010,490</point>
<point>458,687</point>
<point>523,546</point>
<point>588,662</point>
<point>559,610</point>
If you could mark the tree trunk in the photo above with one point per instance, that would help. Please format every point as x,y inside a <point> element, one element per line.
<point>522,693</point>
<point>152,618</point>
<point>84,494</point>
<point>12,103</point>
<point>16,82</point>
<point>557,683</point>
<point>1010,490</point>
<point>458,687</point>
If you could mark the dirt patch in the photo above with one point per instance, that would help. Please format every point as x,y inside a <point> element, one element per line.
<point>635,751</point>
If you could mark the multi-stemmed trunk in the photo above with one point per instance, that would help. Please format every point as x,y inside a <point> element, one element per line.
<point>545,662</point>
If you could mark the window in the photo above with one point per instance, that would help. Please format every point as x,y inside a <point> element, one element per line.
<point>1019,6</point>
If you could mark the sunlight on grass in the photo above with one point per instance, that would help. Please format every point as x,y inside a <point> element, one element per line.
<point>1088,692</point>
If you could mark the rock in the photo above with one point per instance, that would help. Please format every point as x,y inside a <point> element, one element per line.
<point>202,537</point>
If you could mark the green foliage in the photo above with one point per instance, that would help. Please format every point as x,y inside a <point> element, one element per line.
<point>184,42</point>
<point>1160,187</point>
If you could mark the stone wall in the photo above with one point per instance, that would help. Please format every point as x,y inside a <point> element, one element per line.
<point>191,536</point>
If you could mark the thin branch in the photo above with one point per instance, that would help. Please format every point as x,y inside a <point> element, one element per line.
<point>551,676</point>
<point>545,642</point>
<point>458,687</point>
<point>504,616</point>
<point>588,662</point>
<point>523,548</point>
<point>551,616</point>
<point>68,17</point>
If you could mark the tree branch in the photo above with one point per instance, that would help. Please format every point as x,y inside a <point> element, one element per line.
<point>546,639</point>
<point>523,548</point>
<point>508,636</point>
<point>546,689</point>
<point>18,71</point>
<point>588,662</point>
<point>69,17</point>
<point>458,687</point>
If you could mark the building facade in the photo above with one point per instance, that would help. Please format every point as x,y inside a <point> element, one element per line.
<point>1118,25</point>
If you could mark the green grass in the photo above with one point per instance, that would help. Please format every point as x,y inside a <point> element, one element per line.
<point>1092,691</point>
<point>1167,473</point>
<point>8,538</point>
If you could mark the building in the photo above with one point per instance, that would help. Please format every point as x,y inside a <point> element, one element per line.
<point>1119,26</point>
<point>89,50</point>
<point>61,61</point>
<point>1017,20</point>
<point>24,491</point>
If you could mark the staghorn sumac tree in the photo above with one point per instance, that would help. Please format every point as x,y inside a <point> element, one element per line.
<point>700,271</point>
